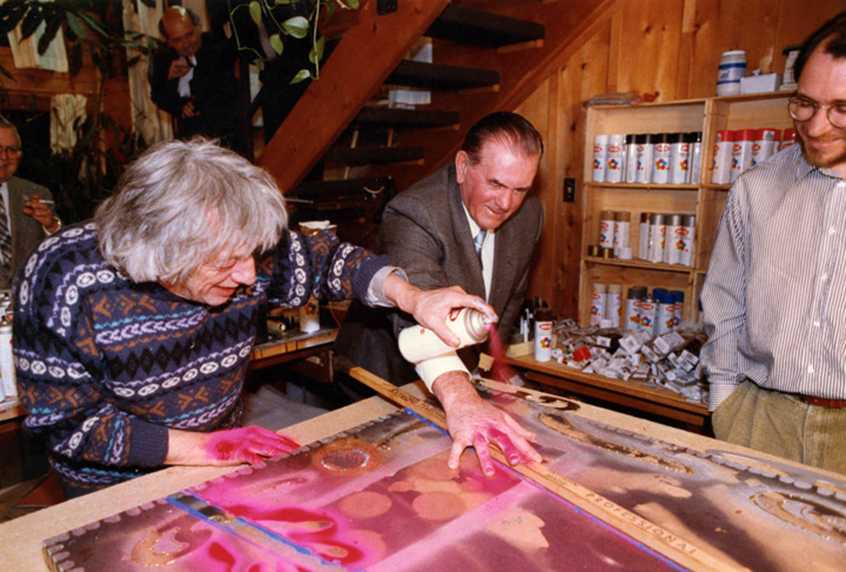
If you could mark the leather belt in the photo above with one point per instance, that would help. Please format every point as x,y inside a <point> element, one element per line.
<point>823,402</point>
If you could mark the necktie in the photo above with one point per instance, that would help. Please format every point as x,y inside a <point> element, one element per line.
<point>480,240</point>
<point>5,235</point>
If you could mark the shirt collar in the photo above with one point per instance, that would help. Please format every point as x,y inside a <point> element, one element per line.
<point>803,168</point>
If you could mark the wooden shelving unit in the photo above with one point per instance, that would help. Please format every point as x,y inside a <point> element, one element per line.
<point>703,199</point>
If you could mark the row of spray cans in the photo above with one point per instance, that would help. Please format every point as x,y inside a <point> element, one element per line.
<point>657,312</point>
<point>662,238</point>
<point>736,151</point>
<point>656,158</point>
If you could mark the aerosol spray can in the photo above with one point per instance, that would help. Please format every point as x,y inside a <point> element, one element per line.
<point>657,232</point>
<point>606,229</point>
<point>614,304</point>
<point>633,301</point>
<point>598,301</point>
<point>543,334</point>
<point>7,362</point>
<point>418,343</point>
<point>600,156</point>
<point>647,314</point>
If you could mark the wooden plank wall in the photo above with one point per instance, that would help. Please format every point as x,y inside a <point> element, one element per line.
<point>668,47</point>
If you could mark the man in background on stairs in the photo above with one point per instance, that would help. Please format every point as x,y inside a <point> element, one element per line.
<point>472,223</point>
<point>194,81</point>
<point>26,216</point>
<point>774,298</point>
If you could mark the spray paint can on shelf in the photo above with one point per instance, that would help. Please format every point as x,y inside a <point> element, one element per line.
<point>721,169</point>
<point>679,308</point>
<point>741,151</point>
<point>622,231</point>
<point>7,361</point>
<point>543,334</point>
<point>418,343</point>
<point>695,140</point>
<point>615,158</point>
<point>647,314</point>
<point>600,156</point>
<point>644,157</point>
<point>665,313</point>
<point>673,240</point>
<point>788,138</point>
<point>598,302</point>
<point>631,158</point>
<point>614,304</point>
<point>657,232</point>
<point>606,229</point>
<point>763,147</point>
<point>661,159</point>
<point>688,237</point>
<point>643,237</point>
<point>679,158</point>
<point>634,297</point>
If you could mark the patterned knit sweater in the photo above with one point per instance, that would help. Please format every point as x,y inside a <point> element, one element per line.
<point>105,365</point>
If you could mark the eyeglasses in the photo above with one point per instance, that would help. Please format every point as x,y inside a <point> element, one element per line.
<point>12,151</point>
<point>802,109</point>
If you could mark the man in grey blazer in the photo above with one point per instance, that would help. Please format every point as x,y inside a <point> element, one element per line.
<point>429,230</point>
<point>27,217</point>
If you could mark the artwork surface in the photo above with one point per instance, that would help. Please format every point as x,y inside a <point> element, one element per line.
<point>381,498</point>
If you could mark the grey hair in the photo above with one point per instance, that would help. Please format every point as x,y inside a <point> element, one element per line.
<point>6,124</point>
<point>180,204</point>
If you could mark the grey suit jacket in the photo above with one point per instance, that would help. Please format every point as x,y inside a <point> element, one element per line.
<point>424,231</point>
<point>26,231</point>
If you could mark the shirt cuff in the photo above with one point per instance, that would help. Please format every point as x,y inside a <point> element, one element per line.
<point>58,228</point>
<point>375,295</point>
<point>148,444</point>
<point>719,392</point>
<point>430,369</point>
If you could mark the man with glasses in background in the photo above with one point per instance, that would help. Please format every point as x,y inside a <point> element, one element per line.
<point>26,216</point>
<point>774,299</point>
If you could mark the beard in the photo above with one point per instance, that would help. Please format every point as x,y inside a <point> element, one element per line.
<point>823,159</point>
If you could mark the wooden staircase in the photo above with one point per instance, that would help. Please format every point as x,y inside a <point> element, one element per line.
<point>483,61</point>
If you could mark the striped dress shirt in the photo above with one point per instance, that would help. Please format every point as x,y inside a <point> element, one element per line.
<point>774,299</point>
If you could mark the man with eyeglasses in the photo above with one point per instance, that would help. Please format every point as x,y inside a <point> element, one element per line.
<point>774,298</point>
<point>25,213</point>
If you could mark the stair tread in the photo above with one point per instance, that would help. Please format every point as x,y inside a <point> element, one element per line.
<point>406,117</point>
<point>372,155</point>
<point>472,26</point>
<point>440,77</point>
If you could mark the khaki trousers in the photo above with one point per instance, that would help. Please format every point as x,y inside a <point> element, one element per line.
<point>783,425</point>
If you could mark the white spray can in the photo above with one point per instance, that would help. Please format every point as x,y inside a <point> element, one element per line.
<point>418,343</point>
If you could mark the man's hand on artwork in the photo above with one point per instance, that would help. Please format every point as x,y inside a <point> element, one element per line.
<point>430,308</point>
<point>229,447</point>
<point>473,422</point>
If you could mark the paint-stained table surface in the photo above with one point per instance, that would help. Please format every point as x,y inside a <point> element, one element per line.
<point>21,539</point>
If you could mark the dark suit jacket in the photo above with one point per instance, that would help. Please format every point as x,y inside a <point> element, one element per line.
<point>26,231</point>
<point>425,232</point>
<point>214,91</point>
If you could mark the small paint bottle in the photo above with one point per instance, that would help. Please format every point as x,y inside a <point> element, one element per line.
<point>543,334</point>
<point>614,304</point>
<point>657,232</point>
<point>600,156</point>
<point>764,145</point>
<point>643,237</point>
<point>417,343</point>
<point>606,229</point>
<point>661,159</point>
<point>741,153</point>
<point>631,159</point>
<point>673,245</point>
<point>679,158</point>
<point>615,158</point>
<point>644,157</point>
<point>721,169</point>
<point>598,301</point>
<point>622,231</point>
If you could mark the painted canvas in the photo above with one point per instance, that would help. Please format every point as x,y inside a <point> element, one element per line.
<point>381,498</point>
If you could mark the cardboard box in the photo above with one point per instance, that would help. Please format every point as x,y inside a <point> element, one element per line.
<point>760,83</point>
